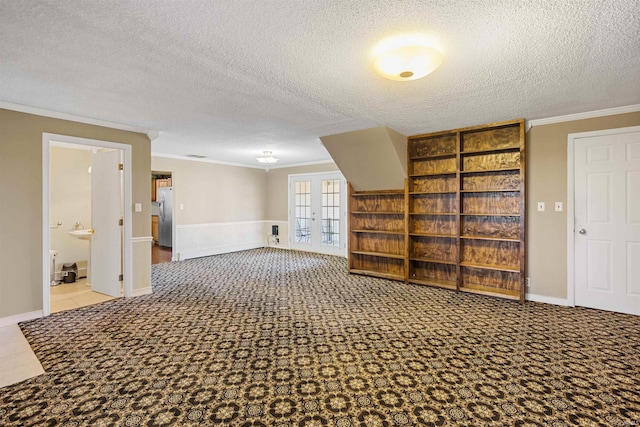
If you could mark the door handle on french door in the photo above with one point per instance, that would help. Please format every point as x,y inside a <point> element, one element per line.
<point>582,231</point>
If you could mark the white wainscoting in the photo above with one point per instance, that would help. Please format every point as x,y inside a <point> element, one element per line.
<point>198,240</point>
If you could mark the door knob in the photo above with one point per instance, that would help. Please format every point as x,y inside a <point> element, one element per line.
<point>582,231</point>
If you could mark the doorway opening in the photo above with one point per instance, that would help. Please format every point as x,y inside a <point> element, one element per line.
<point>86,228</point>
<point>161,216</point>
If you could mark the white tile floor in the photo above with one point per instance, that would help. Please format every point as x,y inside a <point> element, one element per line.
<point>17,360</point>
<point>74,295</point>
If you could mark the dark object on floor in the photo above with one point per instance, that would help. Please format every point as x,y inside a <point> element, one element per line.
<point>69,272</point>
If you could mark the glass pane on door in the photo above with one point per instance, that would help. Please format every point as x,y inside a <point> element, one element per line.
<point>303,211</point>
<point>331,212</point>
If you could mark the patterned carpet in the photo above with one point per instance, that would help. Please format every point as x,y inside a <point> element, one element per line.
<point>282,338</point>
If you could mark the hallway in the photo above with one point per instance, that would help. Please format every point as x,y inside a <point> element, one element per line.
<point>160,254</point>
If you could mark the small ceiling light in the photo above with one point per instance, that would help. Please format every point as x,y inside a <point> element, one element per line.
<point>267,159</point>
<point>406,57</point>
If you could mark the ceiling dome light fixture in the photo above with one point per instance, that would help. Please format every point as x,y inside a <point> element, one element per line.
<point>267,159</point>
<point>406,57</point>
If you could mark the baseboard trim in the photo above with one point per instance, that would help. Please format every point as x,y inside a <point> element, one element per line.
<point>221,250</point>
<point>143,239</point>
<point>547,300</point>
<point>141,291</point>
<point>22,317</point>
<point>277,246</point>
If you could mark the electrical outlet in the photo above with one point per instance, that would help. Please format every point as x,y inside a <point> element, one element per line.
<point>558,206</point>
<point>277,240</point>
<point>540,206</point>
<point>527,282</point>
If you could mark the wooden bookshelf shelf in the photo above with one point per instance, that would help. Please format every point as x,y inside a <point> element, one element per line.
<point>447,284</point>
<point>379,254</point>
<point>489,214</point>
<point>432,260</point>
<point>445,236</point>
<point>378,274</point>
<point>376,213</point>
<point>416,175</point>
<point>478,207</point>
<point>433,213</point>
<point>491,170</point>
<point>501,239</point>
<point>425,193</point>
<point>376,193</point>
<point>401,233</point>
<point>458,224</point>
<point>491,267</point>
<point>492,292</point>
<point>377,232</point>
<point>496,150</point>
<point>493,190</point>
<point>435,156</point>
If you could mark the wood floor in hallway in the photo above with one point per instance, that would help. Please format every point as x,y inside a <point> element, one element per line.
<point>160,254</point>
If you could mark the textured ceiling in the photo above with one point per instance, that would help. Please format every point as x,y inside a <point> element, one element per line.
<point>231,78</point>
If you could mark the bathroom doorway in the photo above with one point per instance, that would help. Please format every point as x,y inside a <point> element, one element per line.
<point>86,230</point>
<point>162,216</point>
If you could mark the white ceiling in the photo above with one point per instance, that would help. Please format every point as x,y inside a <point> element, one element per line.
<point>231,78</point>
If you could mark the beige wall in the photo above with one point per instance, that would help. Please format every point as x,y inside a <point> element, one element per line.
<point>21,200</point>
<point>69,202</point>
<point>547,182</point>
<point>212,192</point>
<point>278,188</point>
<point>370,159</point>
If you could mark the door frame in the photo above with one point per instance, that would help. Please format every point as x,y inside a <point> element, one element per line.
<point>573,140</point>
<point>127,247</point>
<point>343,208</point>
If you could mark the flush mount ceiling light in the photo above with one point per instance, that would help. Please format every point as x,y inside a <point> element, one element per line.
<point>406,57</point>
<point>267,159</point>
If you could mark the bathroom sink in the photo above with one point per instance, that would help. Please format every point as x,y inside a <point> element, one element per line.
<point>82,234</point>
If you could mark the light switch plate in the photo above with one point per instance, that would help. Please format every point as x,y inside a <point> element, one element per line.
<point>558,206</point>
<point>181,206</point>
<point>138,207</point>
<point>540,206</point>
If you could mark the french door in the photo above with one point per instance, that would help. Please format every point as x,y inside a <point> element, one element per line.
<point>317,213</point>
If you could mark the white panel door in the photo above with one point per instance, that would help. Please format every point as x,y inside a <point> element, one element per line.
<point>317,213</point>
<point>607,222</point>
<point>105,217</point>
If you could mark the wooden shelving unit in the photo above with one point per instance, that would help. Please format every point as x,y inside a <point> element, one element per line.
<point>465,226</point>
<point>377,229</point>
<point>458,224</point>
<point>432,247</point>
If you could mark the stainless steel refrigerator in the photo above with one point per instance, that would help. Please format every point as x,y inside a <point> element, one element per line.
<point>165,216</point>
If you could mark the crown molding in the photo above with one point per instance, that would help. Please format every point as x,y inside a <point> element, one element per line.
<point>205,160</point>
<point>152,134</point>
<point>581,116</point>
<point>295,165</point>
<point>242,165</point>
